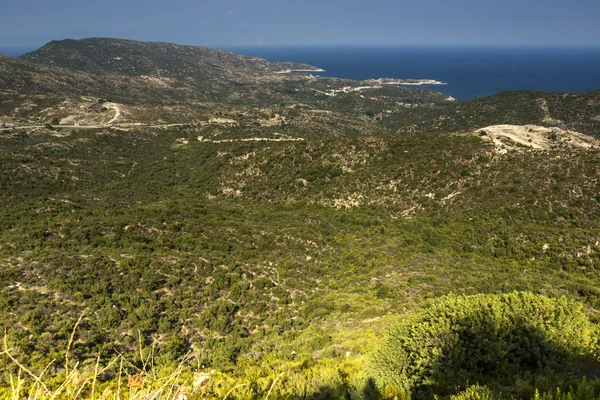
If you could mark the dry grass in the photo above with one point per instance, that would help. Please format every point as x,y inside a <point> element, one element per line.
<point>147,382</point>
<point>128,381</point>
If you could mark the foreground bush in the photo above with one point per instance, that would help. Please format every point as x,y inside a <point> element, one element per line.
<point>585,390</point>
<point>508,342</point>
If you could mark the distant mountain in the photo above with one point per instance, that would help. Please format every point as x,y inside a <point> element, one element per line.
<point>133,71</point>
<point>100,56</point>
<point>24,77</point>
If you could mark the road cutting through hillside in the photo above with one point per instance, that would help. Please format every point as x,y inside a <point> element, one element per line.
<point>117,114</point>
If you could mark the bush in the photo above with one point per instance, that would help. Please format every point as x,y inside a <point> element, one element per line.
<point>475,392</point>
<point>494,340</point>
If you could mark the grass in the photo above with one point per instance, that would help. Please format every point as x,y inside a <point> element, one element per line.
<point>76,382</point>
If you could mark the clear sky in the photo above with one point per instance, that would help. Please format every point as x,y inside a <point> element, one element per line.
<point>31,23</point>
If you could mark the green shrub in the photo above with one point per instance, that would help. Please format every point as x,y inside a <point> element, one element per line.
<point>475,392</point>
<point>496,340</point>
<point>585,390</point>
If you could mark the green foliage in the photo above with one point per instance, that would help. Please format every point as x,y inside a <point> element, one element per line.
<point>575,111</point>
<point>294,255</point>
<point>495,340</point>
<point>475,392</point>
<point>584,390</point>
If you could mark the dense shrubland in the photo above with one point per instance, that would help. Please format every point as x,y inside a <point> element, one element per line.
<point>573,111</point>
<point>285,259</point>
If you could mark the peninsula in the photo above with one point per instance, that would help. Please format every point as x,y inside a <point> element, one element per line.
<point>291,71</point>
<point>411,82</point>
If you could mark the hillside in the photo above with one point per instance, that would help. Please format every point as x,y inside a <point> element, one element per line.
<point>246,251</point>
<point>580,112</point>
<point>138,72</point>
<point>101,56</point>
<point>179,73</point>
<point>195,226</point>
<point>22,77</point>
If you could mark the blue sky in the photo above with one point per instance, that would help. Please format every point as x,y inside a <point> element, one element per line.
<point>31,23</point>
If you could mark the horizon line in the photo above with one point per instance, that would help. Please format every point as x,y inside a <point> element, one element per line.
<point>258,45</point>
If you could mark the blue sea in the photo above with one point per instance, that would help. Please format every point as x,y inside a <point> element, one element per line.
<point>469,72</point>
<point>14,51</point>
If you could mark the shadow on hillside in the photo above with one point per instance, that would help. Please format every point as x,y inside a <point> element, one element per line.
<point>516,360</point>
<point>368,392</point>
<point>444,383</point>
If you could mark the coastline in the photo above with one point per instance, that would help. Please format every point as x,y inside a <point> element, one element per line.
<point>408,82</point>
<point>289,71</point>
<point>366,83</point>
<point>418,83</point>
<point>467,70</point>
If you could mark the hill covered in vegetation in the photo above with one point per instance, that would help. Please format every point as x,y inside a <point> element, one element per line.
<point>281,253</point>
<point>301,245</point>
<point>103,56</point>
<point>575,111</point>
<point>138,72</point>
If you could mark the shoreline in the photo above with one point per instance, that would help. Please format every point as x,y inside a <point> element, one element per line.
<point>378,81</point>
<point>407,82</point>
<point>418,84</point>
<point>289,71</point>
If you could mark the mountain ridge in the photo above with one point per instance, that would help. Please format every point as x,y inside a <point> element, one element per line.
<point>142,72</point>
<point>102,56</point>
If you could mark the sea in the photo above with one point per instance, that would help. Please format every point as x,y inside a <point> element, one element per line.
<point>15,51</point>
<point>467,71</point>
